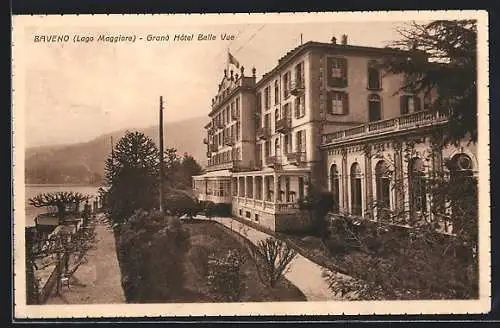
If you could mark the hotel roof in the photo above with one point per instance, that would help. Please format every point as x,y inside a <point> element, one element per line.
<point>341,48</point>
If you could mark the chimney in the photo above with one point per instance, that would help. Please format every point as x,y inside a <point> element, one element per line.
<point>334,40</point>
<point>344,39</point>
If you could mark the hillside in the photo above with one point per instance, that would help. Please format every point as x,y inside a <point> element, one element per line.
<point>84,162</point>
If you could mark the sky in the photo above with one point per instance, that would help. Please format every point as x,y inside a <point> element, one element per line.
<point>78,91</point>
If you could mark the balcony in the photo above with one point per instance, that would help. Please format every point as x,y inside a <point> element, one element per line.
<point>296,158</point>
<point>401,123</point>
<point>297,87</point>
<point>273,161</point>
<point>284,125</point>
<point>229,140</point>
<point>263,133</point>
<point>234,165</point>
<point>213,147</point>
<point>205,141</point>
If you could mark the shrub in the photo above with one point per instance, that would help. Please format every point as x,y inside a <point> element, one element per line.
<point>353,289</point>
<point>317,204</point>
<point>152,249</point>
<point>271,257</point>
<point>403,262</point>
<point>225,277</point>
<point>198,256</point>
<point>179,202</point>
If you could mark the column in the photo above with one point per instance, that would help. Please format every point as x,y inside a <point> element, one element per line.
<point>254,187</point>
<point>275,192</point>
<point>368,180</point>
<point>263,187</point>
<point>345,180</point>
<point>398,177</point>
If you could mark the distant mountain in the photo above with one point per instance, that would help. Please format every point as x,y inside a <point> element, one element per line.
<point>84,162</point>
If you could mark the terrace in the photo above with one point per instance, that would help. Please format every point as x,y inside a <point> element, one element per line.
<point>401,123</point>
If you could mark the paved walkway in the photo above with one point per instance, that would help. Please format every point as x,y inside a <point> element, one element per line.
<point>98,281</point>
<point>303,273</point>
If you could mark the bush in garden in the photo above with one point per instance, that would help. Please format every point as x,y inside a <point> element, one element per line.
<point>149,244</point>
<point>225,277</point>
<point>401,262</point>
<point>179,202</point>
<point>353,289</point>
<point>199,257</point>
<point>272,258</point>
<point>317,203</point>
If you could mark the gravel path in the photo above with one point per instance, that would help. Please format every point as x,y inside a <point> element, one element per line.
<point>98,281</point>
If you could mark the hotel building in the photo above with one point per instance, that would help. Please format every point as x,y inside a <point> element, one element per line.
<point>326,116</point>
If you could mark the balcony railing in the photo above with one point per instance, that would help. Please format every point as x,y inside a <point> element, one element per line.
<point>263,133</point>
<point>296,157</point>
<point>272,161</point>
<point>284,125</point>
<point>229,140</point>
<point>234,165</point>
<point>406,122</point>
<point>297,87</point>
<point>268,206</point>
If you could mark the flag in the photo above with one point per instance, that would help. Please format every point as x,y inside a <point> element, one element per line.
<point>233,60</point>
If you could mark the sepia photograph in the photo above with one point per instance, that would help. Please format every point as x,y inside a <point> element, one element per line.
<point>251,164</point>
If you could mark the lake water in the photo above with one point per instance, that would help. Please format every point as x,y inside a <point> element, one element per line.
<point>35,189</point>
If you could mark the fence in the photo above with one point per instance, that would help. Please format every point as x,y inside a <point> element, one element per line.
<point>47,289</point>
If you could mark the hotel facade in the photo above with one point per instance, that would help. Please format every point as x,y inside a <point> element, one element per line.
<point>326,116</point>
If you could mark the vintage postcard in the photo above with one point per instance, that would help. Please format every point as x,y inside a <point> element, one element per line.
<point>251,164</point>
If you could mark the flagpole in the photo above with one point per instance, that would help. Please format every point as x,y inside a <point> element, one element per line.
<point>227,60</point>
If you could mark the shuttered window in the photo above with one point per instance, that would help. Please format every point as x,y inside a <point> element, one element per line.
<point>410,104</point>
<point>338,103</point>
<point>337,72</point>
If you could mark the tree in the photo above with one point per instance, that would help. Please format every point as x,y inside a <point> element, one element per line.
<point>132,176</point>
<point>272,258</point>
<point>317,204</point>
<point>442,59</point>
<point>61,200</point>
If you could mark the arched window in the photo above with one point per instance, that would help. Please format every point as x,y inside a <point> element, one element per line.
<point>463,199</point>
<point>374,108</point>
<point>417,186</point>
<point>277,147</point>
<point>383,189</point>
<point>334,187</point>
<point>461,165</point>
<point>356,208</point>
<point>374,80</point>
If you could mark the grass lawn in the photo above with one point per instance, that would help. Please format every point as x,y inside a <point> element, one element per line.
<point>209,238</point>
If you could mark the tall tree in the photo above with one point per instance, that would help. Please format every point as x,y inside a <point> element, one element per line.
<point>132,176</point>
<point>442,59</point>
